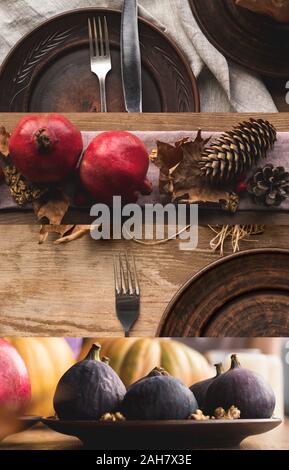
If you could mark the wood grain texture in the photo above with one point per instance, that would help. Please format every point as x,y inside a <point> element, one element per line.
<point>42,438</point>
<point>245,295</point>
<point>158,121</point>
<point>68,290</point>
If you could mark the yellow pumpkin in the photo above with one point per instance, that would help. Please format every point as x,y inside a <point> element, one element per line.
<point>134,358</point>
<point>46,360</point>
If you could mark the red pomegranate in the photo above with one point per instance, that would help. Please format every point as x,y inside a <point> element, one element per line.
<point>115,164</point>
<point>15,388</point>
<point>45,148</point>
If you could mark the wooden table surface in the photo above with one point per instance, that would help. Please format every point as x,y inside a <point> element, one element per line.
<point>41,438</point>
<point>161,122</point>
<point>68,290</point>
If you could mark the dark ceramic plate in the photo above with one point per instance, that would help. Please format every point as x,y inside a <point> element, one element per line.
<point>242,295</point>
<point>129,435</point>
<point>252,40</point>
<point>49,69</point>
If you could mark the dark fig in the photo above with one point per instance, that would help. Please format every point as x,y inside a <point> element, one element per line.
<point>199,389</point>
<point>158,397</point>
<point>88,389</point>
<point>243,388</point>
<point>156,372</point>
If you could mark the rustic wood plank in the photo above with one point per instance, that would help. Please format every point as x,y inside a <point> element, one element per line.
<point>41,438</point>
<point>68,290</point>
<point>205,218</point>
<point>162,121</point>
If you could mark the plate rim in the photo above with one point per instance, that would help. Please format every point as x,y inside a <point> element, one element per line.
<point>237,60</point>
<point>172,304</point>
<point>168,423</point>
<point>193,79</point>
<point>30,417</point>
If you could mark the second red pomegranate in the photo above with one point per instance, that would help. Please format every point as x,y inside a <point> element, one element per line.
<point>115,164</point>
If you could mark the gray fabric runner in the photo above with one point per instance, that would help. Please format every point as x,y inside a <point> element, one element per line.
<point>224,87</point>
<point>279,156</point>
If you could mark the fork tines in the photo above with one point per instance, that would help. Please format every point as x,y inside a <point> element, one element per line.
<point>127,290</point>
<point>125,274</point>
<point>98,37</point>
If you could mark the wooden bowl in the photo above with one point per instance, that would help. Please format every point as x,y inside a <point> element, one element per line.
<point>255,41</point>
<point>173,435</point>
<point>242,295</point>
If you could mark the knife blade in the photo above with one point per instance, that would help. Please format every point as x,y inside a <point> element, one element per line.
<point>131,57</point>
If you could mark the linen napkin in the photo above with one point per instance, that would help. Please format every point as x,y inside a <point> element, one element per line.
<point>224,86</point>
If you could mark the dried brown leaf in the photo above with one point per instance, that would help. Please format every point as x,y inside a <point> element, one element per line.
<point>168,156</point>
<point>46,229</point>
<point>4,141</point>
<point>77,232</point>
<point>188,171</point>
<point>67,233</point>
<point>53,206</point>
<point>184,182</point>
<point>201,194</point>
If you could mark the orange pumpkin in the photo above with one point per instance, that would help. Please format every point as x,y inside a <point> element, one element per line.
<point>46,360</point>
<point>133,358</point>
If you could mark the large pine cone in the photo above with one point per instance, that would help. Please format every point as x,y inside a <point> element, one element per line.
<point>234,153</point>
<point>269,186</point>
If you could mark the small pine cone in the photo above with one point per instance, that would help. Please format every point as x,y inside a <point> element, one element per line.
<point>22,190</point>
<point>231,204</point>
<point>269,185</point>
<point>237,151</point>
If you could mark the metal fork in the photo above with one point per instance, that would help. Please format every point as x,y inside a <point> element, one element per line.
<point>127,291</point>
<point>99,54</point>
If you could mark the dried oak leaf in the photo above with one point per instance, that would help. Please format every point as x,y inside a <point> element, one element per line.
<point>4,141</point>
<point>67,233</point>
<point>46,229</point>
<point>52,206</point>
<point>166,157</point>
<point>183,181</point>
<point>78,231</point>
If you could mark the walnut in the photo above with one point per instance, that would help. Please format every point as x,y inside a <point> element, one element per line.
<point>199,416</point>
<point>112,417</point>
<point>219,413</point>
<point>231,414</point>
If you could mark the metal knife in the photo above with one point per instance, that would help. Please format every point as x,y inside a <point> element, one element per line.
<point>131,57</point>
